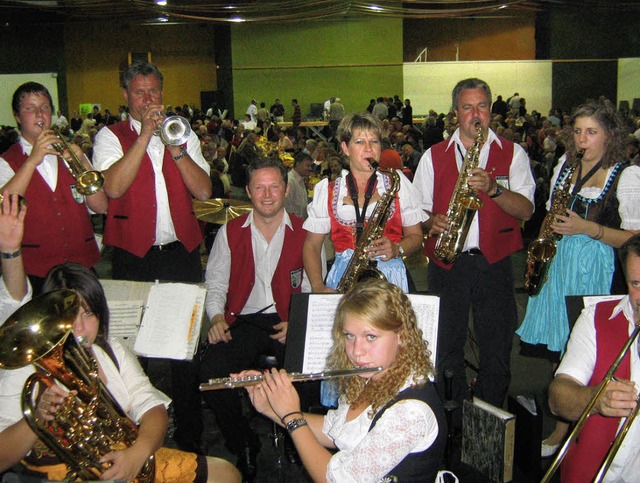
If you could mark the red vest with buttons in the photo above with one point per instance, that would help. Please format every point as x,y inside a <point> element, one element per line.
<point>343,234</point>
<point>131,219</point>
<point>499,232</point>
<point>585,456</point>
<point>287,278</point>
<point>57,228</point>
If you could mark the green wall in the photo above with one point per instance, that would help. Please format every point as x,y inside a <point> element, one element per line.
<point>355,60</point>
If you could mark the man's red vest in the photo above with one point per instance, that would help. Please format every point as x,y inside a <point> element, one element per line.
<point>499,232</point>
<point>57,228</point>
<point>131,219</point>
<point>343,235</point>
<point>585,456</point>
<point>287,278</point>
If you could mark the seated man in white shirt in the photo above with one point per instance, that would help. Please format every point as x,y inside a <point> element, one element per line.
<point>596,339</point>
<point>251,319</point>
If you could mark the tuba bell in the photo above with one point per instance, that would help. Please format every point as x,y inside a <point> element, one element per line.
<point>90,423</point>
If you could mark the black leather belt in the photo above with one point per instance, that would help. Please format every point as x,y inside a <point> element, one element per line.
<point>473,251</point>
<point>169,246</point>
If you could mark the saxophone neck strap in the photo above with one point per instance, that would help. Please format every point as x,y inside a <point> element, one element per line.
<point>352,188</point>
<point>581,180</point>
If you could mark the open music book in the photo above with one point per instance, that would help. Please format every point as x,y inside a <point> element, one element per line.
<point>160,320</point>
<point>309,338</point>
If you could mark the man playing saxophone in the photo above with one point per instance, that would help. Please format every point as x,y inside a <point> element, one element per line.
<point>481,275</point>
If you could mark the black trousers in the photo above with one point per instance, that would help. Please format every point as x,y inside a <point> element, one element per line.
<point>173,264</point>
<point>250,339</point>
<point>488,290</point>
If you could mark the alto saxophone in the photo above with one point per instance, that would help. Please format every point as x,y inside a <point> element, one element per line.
<point>463,206</point>
<point>361,266</point>
<point>542,250</point>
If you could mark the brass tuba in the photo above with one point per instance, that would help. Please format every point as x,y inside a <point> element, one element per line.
<point>88,181</point>
<point>463,206</point>
<point>91,423</point>
<point>361,266</point>
<point>542,250</point>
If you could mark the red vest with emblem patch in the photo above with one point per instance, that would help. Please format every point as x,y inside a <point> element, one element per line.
<point>57,228</point>
<point>287,278</point>
<point>499,232</point>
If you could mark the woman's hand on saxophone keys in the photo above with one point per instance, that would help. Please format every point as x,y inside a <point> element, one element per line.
<point>383,249</point>
<point>569,224</point>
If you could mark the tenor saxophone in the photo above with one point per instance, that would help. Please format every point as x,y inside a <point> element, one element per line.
<point>542,250</point>
<point>360,266</point>
<point>463,206</point>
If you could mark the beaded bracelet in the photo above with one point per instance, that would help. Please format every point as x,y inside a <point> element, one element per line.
<point>295,424</point>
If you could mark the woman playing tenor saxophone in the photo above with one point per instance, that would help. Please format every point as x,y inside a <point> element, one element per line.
<point>341,208</point>
<point>603,212</point>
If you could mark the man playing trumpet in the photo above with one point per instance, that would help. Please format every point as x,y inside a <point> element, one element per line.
<point>58,228</point>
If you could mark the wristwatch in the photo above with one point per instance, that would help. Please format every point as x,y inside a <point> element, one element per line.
<point>180,155</point>
<point>497,192</point>
<point>400,250</point>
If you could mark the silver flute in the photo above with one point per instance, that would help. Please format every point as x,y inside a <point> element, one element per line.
<point>236,382</point>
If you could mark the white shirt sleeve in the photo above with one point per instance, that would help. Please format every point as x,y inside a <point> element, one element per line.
<point>423,181</point>
<point>409,197</point>
<point>319,220</point>
<point>580,359</point>
<point>217,274</point>
<point>629,198</point>
<point>520,176</point>
<point>106,150</point>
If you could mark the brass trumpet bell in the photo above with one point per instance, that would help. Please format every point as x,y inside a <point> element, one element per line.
<point>174,131</point>
<point>88,182</point>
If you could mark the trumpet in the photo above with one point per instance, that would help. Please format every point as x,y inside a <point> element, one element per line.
<point>174,130</point>
<point>89,181</point>
<point>617,442</point>
<point>237,382</point>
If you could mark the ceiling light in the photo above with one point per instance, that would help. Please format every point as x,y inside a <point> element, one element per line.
<point>162,3</point>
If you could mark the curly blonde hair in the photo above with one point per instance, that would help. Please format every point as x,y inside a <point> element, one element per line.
<point>386,307</point>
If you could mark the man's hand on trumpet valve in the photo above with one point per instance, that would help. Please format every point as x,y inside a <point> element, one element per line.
<point>152,119</point>
<point>43,146</point>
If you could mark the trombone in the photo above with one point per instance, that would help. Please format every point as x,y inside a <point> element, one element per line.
<point>617,442</point>
<point>89,181</point>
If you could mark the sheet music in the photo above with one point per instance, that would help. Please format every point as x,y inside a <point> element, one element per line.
<point>321,313</point>
<point>124,320</point>
<point>427,309</point>
<point>318,339</point>
<point>170,318</point>
<point>125,290</point>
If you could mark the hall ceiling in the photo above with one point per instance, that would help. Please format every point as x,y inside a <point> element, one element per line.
<point>274,11</point>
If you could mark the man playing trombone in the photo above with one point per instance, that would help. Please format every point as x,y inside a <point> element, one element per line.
<point>58,228</point>
<point>598,336</point>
